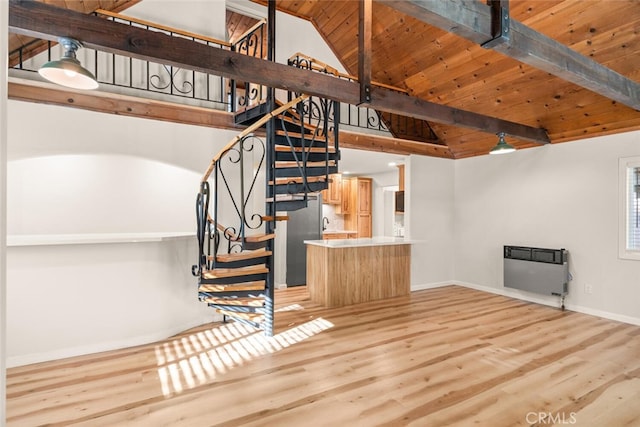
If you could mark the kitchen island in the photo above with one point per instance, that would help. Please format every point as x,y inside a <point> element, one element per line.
<point>351,271</point>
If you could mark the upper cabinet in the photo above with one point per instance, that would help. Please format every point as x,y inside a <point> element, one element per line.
<point>333,194</point>
<point>358,216</point>
<point>352,198</point>
<point>346,206</point>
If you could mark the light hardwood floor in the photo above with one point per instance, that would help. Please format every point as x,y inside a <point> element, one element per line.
<point>440,357</point>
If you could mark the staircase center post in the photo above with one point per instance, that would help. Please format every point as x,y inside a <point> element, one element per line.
<point>270,174</point>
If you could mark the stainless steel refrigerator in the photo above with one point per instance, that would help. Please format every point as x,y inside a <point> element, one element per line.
<point>303,224</point>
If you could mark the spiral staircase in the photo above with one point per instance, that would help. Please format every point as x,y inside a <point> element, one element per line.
<point>249,185</point>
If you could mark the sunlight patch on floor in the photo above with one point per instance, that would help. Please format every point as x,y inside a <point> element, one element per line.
<point>292,307</point>
<point>194,360</point>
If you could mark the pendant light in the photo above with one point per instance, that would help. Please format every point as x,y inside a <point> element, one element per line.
<point>502,147</point>
<point>68,71</point>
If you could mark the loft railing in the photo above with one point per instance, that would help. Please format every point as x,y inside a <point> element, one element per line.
<point>121,71</point>
<point>368,118</point>
<point>252,43</point>
<point>350,115</point>
<point>189,86</point>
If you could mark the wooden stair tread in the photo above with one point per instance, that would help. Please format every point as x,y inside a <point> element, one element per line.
<point>308,137</point>
<point>253,317</point>
<point>238,256</point>
<point>291,110</point>
<point>242,301</point>
<point>219,273</point>
<point>253,238</point>
<point>294,119</point>
<point>275,218</point>
<point>260,237</point>
<point>288,149</point>
<point>286,198</point>
<point>257,285</point>
<point>293,164</point>
<point>298,180</point>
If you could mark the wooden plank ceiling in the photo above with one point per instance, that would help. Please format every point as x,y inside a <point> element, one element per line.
<point>443,68</point>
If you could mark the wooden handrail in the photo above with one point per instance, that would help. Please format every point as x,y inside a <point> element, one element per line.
<point>162,27</point>
<point>248,130</point>
<point>321,66</point>
<point>252,29</point>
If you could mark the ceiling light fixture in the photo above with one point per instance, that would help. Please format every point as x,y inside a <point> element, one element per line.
<point>502,147</point>
<point>68,71</point>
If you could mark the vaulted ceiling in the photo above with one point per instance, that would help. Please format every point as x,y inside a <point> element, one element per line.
<point>442,68</point>
<point>447,69</point>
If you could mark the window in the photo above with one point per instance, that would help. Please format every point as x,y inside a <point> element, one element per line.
<point>630,208</point>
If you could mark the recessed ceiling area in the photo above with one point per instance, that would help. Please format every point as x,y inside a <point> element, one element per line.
<point>360,162</point>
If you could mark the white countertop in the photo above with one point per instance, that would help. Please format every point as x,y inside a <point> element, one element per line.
<point>353,243</point>
<point>94,238</point>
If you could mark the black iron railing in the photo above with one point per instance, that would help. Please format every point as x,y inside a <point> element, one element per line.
<point>350,115</point>
<point>229,207</point>
<point>253,43</point>
<point>368,118</point>
<point>121,71</point>
<point>190,86</point>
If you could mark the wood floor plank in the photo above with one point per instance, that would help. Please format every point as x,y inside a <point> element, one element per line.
<point>439,357</point>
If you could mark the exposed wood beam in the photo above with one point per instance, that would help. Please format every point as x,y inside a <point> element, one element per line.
<point>124,105</point>
<point>365,11</point>
<point>369,142</point>
<point>44,21</point>
<point>395,102</point>
<point>472,20</point>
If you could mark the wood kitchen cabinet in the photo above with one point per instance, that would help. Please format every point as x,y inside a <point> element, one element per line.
<point>358,215</point>
<point>346,204</point>
<point>333,194</point>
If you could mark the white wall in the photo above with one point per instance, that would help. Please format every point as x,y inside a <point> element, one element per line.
<point>84,172</point>
<point>429,198</point>
<point>80,193</point>
<point>203,17</point>
<point>62,130</point>
<point>292,34</point>
<point>558,196</point>
<point>67,300</point>
<point>381,180</point>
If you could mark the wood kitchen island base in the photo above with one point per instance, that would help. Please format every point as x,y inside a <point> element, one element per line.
<point>344,272</point>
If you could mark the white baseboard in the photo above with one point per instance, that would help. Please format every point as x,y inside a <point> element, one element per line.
<point>63,353</point>
<point>430,286</point>
<point>538,299</point>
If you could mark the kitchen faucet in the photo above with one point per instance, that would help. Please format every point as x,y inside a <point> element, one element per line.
<point>325,222</point>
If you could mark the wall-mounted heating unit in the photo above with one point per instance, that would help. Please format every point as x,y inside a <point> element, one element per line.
<point>538,270</point>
